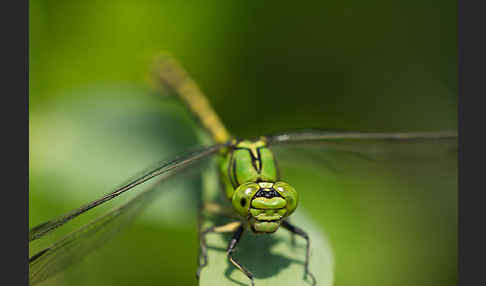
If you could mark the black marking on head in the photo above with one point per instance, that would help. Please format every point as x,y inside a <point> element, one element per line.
<point>267,193</point>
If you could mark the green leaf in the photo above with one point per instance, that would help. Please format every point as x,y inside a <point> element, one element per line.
<point>272,258</point>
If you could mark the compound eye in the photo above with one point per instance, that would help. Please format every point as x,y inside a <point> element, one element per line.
<point>289,194</point>
<point>242,197</point>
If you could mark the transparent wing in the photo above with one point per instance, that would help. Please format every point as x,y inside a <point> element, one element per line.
<point>74,246</point>
<point>387,201</point>
<point>87,238</point>
<point>166,168</point>
<point>348,151</point>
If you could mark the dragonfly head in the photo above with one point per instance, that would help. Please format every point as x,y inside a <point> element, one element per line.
<point>265,204</point>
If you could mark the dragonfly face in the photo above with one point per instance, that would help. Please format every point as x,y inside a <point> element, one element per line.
<point>265,204</point>
<point>250,175</point>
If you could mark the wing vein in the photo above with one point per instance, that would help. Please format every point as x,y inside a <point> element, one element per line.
<point>329,136</point>
<point>181,161</point>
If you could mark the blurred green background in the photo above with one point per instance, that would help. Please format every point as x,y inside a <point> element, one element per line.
<point>266,66</point>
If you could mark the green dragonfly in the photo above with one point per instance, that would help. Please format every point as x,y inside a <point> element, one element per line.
<point>258,199</point>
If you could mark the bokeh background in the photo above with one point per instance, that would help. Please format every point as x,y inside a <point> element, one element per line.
<point>266,66</point>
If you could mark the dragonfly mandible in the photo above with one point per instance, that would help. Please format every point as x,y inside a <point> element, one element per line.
<point>261,200</point>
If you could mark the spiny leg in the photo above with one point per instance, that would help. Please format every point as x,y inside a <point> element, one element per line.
<point>170,74</point>
<point>203,256</point>
<point>300,232</point>
<point>211,208</point>
<point>229,252</point>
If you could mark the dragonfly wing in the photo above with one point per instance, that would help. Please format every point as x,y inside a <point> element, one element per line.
<point>87,238</point>
<point>387,201</point>
<point>165,168</point>
<point>338,150</point>
<point>74,246</point>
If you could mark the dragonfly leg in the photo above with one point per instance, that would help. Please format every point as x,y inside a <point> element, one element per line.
<point>292,234</point>
<point>296,230</point>
<point>229,252</point>
<point>203,255</point>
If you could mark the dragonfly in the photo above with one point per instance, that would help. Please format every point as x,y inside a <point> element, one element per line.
<point>258,199</point>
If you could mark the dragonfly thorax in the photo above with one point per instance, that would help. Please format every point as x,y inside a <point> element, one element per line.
<point>247,161</point>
